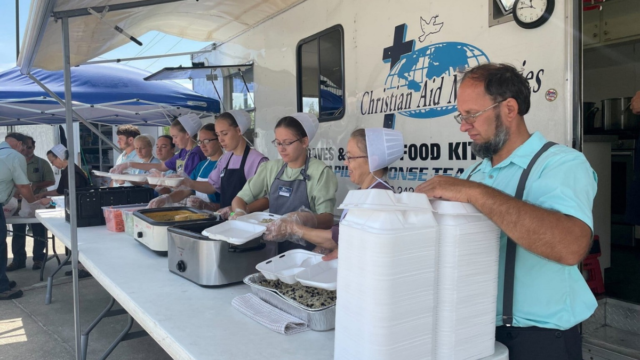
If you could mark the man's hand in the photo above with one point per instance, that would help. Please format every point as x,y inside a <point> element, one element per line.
<point>449,188</point>
<point>635,104</point>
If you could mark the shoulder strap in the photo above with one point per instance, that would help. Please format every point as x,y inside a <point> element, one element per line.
<point>472,170</point>
<point>510,259</point>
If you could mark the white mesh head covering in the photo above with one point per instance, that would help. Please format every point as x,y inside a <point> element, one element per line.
<point>384,147</point>
<point>242,118</point>
<point>309,122</point>
<point>191,123</point>
<point>59,150</point>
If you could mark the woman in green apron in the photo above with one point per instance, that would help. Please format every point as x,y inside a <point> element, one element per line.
<point>294,182</point>
<point>183,131</point>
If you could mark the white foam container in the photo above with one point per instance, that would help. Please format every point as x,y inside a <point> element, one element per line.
<point>234,232</point>
<point>130,177</point>
<point>165,181</point>
<point>387,277</point>
<point>285,267</point>
<point>323,275</point>
<point>467,282</point>
<point>257,217</point>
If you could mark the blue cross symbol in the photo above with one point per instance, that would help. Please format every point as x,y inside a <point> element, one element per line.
<point>393,53</point>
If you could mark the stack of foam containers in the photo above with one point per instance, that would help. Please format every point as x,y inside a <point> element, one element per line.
<point>386,282</point>
<point>468,257</point>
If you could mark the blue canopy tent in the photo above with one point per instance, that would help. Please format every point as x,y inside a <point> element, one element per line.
<point>110,94</point>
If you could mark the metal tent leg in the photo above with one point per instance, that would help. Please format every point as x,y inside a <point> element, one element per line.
<point>47,299</point>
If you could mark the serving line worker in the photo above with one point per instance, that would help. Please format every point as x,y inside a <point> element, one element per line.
<point>165,150</point>
<point>238,164</point>
<point>126,138</point>
<point>551,227</point>
<point>144,148</point>
<point>41,176</point>
<point>13,176</point>
<point>293,182</point>
<point>58,156</point>
<point>369,153</point>
<point>183,131</point>
<point>208,142</point>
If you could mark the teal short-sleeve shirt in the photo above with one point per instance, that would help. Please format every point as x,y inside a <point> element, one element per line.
<point>546,293</point>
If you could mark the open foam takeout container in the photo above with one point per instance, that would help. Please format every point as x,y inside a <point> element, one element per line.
<point>123,177</point>
<point>301,265</point>
<point>234,232</point>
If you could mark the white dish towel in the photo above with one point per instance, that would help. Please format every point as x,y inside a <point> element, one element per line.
<point>267,315</point>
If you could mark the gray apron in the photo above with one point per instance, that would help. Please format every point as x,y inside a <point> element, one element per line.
<point>289,196</point>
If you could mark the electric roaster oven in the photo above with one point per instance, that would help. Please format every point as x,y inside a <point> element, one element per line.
<point>150,225</point>
<point>209,262</point>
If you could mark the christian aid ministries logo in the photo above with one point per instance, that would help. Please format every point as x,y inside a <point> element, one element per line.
<point>422,83</point>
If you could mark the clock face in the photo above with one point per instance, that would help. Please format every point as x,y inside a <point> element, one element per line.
<point>529,11</point>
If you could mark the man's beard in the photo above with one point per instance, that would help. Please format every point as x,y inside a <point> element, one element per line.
<point>494,145</point>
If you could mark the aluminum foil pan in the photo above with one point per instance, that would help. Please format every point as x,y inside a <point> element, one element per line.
<point>322,319</point>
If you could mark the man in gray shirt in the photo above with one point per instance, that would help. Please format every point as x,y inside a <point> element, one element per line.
<point>41,176</point>
<point>13,176</point>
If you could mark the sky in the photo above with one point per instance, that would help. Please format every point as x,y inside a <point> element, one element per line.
<point>154,43</point>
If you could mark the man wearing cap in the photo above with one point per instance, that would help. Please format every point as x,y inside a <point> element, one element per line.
<point>13,176</point>
<point>41,176</point>
<point>540,195</point>
<point>126,137</point>
<point>183,131</point>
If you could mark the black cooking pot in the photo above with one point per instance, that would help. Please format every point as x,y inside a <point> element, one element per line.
<point>590,122</point>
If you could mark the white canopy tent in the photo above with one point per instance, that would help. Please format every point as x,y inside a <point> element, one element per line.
<point>65,33</point>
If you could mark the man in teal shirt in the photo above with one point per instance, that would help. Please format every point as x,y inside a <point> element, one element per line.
<point>552,226</point>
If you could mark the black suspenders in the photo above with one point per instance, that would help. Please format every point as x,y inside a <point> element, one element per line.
<point>510,259</point>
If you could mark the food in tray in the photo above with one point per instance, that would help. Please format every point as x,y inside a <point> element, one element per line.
<point>191,217</point>
<point>267,221</point>
<point>311,297</point>
<point>167,215</point>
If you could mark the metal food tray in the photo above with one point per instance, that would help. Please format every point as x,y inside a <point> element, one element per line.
<point>322,319</point>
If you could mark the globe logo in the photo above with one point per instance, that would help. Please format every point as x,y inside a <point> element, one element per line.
<point>432,72</point>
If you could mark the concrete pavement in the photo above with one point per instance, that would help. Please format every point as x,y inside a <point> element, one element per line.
<point>29,329</point>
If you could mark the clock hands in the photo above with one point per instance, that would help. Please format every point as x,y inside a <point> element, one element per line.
<point>530,6</point>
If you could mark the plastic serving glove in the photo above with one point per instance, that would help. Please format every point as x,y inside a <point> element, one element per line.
<point>120,168</point>
<point>290,227</point>
<point>237,214</point>
<point>224,212</point>
<point>160,201</point>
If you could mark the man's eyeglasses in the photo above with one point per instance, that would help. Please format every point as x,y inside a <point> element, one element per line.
<point>470,119</point>
<point>349,158</point>
<point>206,141</point>
<point>285,144</point>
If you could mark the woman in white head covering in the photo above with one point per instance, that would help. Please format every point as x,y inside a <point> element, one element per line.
<point>293,182</point>
<point>183,131</point>
<point>58,156</point>
<point>369,153</point>
<point>233,169</point>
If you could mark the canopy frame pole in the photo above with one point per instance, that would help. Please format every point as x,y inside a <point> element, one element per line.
<point>73,206</point>
<point>17,29</point>
<point>142,58</point>
<point>75,113</point>
<point>215,88</point>
<point>247,87</point>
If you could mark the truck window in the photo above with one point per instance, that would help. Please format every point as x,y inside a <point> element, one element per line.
<point>320,75</point>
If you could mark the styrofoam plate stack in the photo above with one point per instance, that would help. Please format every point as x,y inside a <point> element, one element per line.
<point>386,281</point>
<point>468,259</point>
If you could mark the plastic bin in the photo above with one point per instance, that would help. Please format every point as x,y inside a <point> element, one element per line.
<point>114,217</point>
<point>91,200</point>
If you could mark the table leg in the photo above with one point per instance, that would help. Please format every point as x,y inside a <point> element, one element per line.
<point>124,335</point>
<point>47,299</point>
<point>47,257</point>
